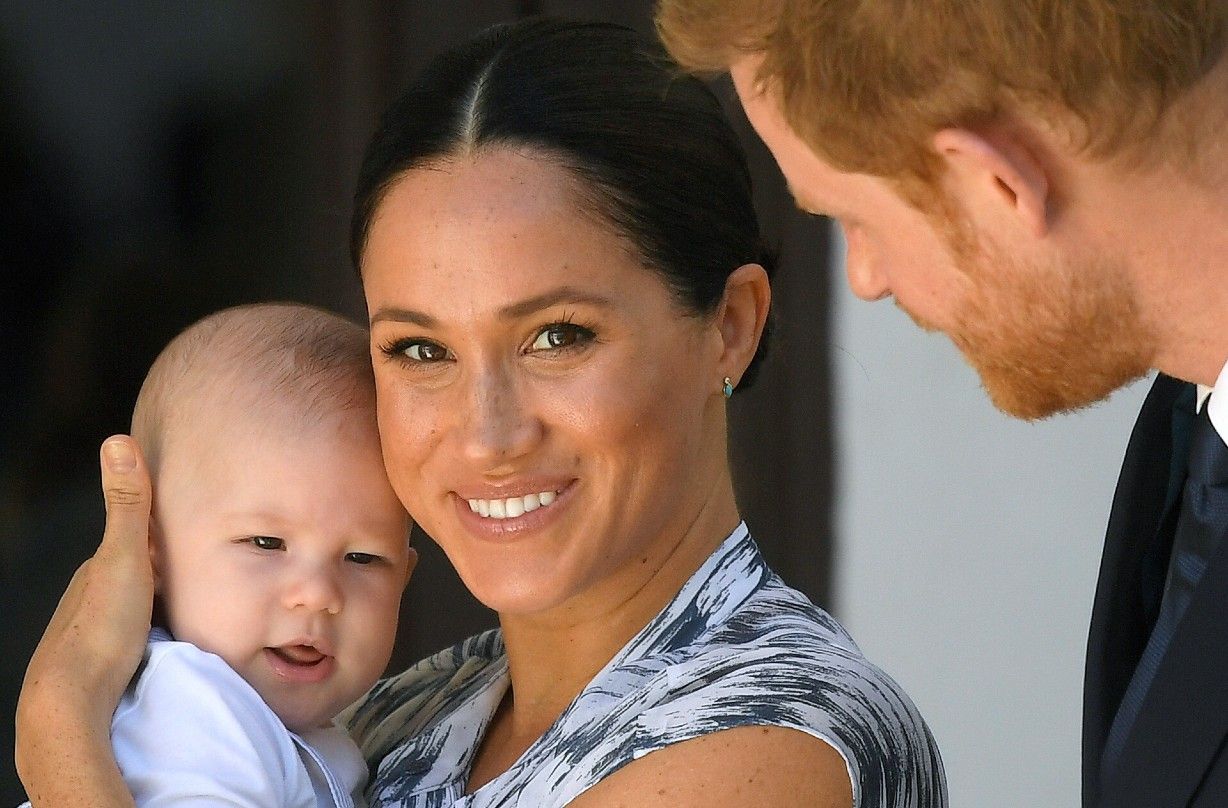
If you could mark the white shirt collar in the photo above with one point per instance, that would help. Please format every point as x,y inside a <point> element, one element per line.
<point>1217,410</point>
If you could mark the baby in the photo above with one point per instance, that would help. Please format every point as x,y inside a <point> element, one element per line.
<point>280,553</point>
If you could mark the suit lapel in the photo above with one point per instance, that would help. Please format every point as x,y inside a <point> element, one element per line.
<point>1184,718</point>
<point>1131,571</point>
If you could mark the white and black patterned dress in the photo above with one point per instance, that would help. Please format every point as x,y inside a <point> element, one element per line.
<point>735,647</point>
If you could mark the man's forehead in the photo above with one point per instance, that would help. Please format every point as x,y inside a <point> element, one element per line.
<point>810,180</point>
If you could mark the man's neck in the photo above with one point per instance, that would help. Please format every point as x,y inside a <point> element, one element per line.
<point>1173,226</point>
<point>1171,231</point>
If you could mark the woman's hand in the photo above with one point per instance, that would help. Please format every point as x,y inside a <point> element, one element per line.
<point>90,651</point>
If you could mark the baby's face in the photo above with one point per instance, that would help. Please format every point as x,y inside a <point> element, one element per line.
<point>283,549</point>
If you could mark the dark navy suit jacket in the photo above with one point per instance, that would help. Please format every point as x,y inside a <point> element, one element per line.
<point>1175,754</point>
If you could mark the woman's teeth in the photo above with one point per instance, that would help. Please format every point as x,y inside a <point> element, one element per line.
<point>512,506</point>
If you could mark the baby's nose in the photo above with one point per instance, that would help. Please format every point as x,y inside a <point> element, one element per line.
<point>317,591</point>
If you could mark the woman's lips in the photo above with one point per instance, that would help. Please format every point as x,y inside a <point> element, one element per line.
<point>511,507</point>
<point>300,663</point>
<point>504,518</point>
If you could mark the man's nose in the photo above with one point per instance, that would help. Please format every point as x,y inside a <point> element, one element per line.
<point>865,275</point>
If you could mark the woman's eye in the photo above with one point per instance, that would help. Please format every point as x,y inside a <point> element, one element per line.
<point>361,558</point>
<point>418,351</point>
<point>561,335</point>
<point>425,352</point>
<point>268,543</point>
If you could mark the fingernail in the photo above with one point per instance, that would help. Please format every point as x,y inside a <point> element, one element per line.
<point>119,455</point>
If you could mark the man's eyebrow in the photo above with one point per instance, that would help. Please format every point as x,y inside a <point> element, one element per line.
<point>512,311</point>
<point>801,204</point>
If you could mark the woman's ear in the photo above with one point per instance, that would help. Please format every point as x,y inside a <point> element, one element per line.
<point>411,561</point>
<point>998,174</point>
<point>741,317</point>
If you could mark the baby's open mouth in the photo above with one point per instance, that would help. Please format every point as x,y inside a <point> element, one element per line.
<point>304,655</point>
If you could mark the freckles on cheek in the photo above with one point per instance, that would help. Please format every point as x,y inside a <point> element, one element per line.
<point>609,411</point>
<point>402,419</point>
<point>412,435</point>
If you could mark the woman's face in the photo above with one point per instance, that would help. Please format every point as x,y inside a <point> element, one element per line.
<point>549,414</point>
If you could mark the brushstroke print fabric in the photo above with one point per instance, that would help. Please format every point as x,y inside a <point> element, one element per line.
<point>736,647</point>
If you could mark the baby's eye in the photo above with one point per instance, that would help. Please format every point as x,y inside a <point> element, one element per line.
<point>268,543</point>
<point>561,335</point>
<point>361,558</point>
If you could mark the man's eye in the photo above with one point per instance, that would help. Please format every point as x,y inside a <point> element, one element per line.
<point>561,335</point>
<point>361,558</point>
<point>268,543</point>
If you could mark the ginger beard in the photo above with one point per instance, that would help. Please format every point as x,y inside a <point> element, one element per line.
<point>1044,338</point>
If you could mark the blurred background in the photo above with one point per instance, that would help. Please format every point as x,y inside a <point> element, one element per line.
<point>162,161</point>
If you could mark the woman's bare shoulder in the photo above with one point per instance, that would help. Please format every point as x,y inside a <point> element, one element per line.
<point>744,766</point>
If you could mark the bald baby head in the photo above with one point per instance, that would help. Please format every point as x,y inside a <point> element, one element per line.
<point>276,538</point>
<point>283,361</point>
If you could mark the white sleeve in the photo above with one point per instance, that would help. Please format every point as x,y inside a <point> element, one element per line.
<point>194,734</point>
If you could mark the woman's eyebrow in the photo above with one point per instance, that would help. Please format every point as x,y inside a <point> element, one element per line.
<point>397,315</point>
<point>563,294</point>
<point>513,311</point>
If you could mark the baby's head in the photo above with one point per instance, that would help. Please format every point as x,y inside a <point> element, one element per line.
<point>278,543</point>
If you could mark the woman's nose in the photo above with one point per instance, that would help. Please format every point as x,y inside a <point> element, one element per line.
<point>864,273</point>
<point>316,590</point>
<point>500,425</point>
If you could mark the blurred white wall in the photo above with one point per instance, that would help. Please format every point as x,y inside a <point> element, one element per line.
<point>968,550</point>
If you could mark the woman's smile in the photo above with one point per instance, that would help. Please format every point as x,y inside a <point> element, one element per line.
<point>511,507</point>
<point>512,517</point>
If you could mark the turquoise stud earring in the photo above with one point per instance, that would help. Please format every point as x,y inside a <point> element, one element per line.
<point>727,389</point>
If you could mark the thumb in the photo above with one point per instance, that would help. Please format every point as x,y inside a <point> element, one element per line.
<point>126,492</point>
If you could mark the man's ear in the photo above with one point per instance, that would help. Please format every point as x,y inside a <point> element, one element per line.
<point>741,317</point>
<point>989,169</point>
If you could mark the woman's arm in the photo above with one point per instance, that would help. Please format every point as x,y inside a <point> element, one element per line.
<point>746,766</point>
<point>89,652</point>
